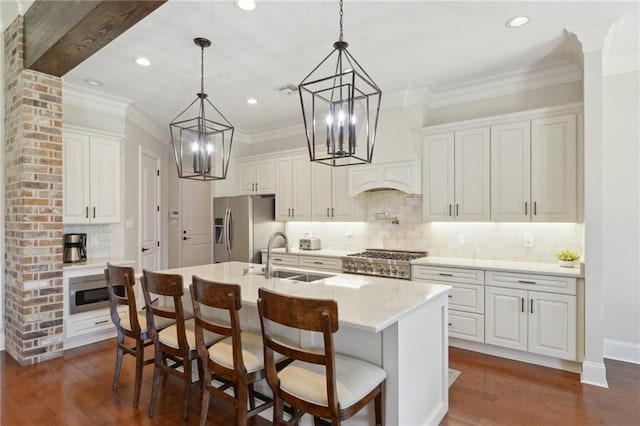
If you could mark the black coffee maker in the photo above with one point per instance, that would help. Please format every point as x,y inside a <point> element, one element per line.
<point>74,248</point>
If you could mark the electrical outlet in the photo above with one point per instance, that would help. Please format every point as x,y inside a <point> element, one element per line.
<point>528,239</point>
<point>460,239</point>
<point>94,240</point>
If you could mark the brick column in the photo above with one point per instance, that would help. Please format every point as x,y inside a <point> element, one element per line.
<point>33,300</point>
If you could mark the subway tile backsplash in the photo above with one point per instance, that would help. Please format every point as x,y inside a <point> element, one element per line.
<point>99,238</point>
<point>490,240</point>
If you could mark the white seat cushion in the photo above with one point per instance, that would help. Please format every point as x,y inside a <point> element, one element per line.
<point>252,352</point>
<point>354,379</point>
<point>169,336</point>
<point>142,320</point>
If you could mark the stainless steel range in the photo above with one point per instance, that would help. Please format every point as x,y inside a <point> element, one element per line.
<point>382,263</point>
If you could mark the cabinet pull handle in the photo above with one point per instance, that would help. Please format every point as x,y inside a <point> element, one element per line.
<point>449,209</point>
<point>531,305</point>
<point>293,212</point>
<point>332,215</point>
<point>94,212</point>
<point>522,304</point>
<point>445,275</point>
<point>450,324</point>
<point>457,212</point>
<point>289,214</point>
<point>526,282</point>
<point>450,296</point>
<point>101,322</point>
<point>535,208</point>
<point>526,210</point>
<point>256,186</point>
<point>328,212</point>
<point>279,259</point>
<point>86,212</point>
<point>318,263</point>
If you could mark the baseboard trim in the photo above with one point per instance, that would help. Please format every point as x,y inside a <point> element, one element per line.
<point>1,339</point>
<point>622,351</point>
<point>594,373</point>
<point>87,339</point>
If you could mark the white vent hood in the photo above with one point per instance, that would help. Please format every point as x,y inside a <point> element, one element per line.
<point>403,176</point>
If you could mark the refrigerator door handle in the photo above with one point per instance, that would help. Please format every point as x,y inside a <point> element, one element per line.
<point>228,229</point>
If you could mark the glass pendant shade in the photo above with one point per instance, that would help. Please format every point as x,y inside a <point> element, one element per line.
<point>340,107</point>
<point>201,138</point>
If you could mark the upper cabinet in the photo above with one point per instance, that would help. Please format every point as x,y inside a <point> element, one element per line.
<point>91,178</point>
<point>456,176</point>
<point>257,177</point>
<point>534,169</point>
<point>293,188</point>
<point>331,200</point>
<point>402,175</point>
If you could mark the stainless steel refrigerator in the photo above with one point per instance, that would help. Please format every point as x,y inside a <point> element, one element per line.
<point>242,227</point>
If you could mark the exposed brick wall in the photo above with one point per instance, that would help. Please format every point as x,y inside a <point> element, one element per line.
<point>33,207</point>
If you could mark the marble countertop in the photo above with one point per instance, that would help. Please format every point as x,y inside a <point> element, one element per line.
<point>96,263</point>
<point>320,253</point>
<point>365,302</point>
<point>502,265</point>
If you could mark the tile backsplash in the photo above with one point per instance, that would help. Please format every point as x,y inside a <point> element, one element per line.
<point>99,238</point>
<point>486,240</point>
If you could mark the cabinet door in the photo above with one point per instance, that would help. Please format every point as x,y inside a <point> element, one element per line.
<point>506,318</point>
<point>105,180</point>
<point>247,177</point>
<point>76,178</point>
<point>552,325</point>
<point>284,167</point>
<point>553,169</point>
<point>472,185</point>
<point>511,172</point>
<point>342,205</point>
<point>265,177</point>
<point>321,190</point>
<point>467,326</point>
<point>301,187</point>
<point>437,178</point>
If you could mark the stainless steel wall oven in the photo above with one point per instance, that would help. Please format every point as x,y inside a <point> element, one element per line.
<point>89,292</point>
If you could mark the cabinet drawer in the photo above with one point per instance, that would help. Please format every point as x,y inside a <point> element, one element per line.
<point>564,285</point>
<point>314,262</point>
<point>281,259</point>
<point>89,323</point>
<point>467,297</point>
<point>440,273</point>
<point>465,325</point>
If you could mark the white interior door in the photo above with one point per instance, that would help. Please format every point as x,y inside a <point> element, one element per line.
<point>196,223</point>
<point>149,237</point>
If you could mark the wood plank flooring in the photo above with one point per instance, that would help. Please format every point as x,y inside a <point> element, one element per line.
<point>76,390</point>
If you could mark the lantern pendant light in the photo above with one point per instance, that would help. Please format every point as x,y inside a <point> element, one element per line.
<point>201,144</point>
<point>340,107</point>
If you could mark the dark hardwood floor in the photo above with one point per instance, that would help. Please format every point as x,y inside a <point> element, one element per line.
<point>76,390</point>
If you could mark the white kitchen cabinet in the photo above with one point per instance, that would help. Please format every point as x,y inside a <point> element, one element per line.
<point>533,170</point>
<point>91,179</point>
<point>281,259</point>
<point>401,175</point>
<point>257,176</point>
<point>293,188</point>
<point>466,298</point>
<point>456,176</point>
<point>331,200</point>
<point>320,262</point>
<point>535,321</point>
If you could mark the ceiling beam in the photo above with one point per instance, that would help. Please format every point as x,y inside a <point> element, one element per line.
<point>59,35</point>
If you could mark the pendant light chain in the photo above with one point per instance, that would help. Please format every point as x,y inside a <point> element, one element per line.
<point>202,69</point>
<point>341,20</point>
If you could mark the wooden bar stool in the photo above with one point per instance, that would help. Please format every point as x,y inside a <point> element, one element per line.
<point>319,382</point>
<point>176,343</point>
<point>131,324</point>
<point>235,361</point>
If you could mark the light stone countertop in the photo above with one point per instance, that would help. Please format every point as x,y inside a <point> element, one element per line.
<point>319,253</point>
<point>502,265</point>
<point>365,302</point>
<point>95,263</point>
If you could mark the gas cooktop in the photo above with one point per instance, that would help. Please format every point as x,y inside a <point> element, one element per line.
<point>385,263</point>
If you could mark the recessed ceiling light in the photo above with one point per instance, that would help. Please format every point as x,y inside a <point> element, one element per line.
<point>252,101</point>
<point>516,21</point>
<point>143,62</point>
<point>92,82</point>
<point>246,4</point>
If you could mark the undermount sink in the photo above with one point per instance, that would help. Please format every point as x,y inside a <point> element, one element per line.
<point>307,278</point>
<point>284,274</point>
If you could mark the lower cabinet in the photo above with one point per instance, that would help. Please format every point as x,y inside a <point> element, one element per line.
<point>318,262</point>
<point>537,322</point>
<point>280,259</point>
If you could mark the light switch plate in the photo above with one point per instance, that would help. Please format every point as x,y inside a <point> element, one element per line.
<point>130,224</point>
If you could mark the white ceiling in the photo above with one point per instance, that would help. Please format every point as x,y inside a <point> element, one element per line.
<point>403,45</point>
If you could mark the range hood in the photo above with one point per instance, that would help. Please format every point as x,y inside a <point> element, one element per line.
<point>402,176</point>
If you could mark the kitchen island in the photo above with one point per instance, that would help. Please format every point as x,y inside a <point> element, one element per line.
<point>399,325</point>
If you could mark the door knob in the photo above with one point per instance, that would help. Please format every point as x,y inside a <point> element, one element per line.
<point>144,249</point>
<point>186,238</point>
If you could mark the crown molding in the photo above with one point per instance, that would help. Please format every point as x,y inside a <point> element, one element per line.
<point>592,37</point>
<point>94,100</point>
<point>418,95</point>
<point>505,84</point>
<point>290,131</point>
<point>145,123</point>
